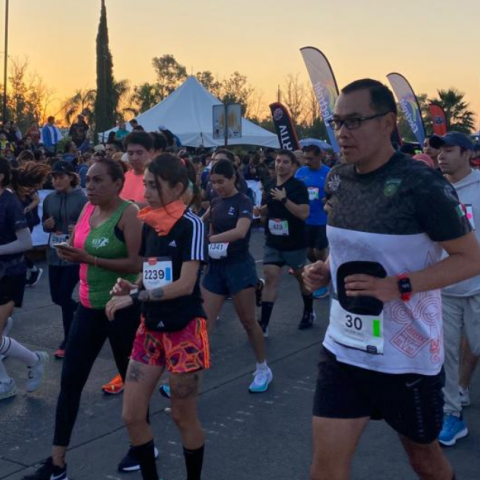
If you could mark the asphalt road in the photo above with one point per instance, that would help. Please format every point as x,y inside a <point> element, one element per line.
<point>249,437</point>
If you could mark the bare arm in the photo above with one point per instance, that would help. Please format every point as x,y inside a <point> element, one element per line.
<point>240,231</point>
<point>21,244</point>
<point>462,263</point>
<point>300,211</point>
<point>180,288</point>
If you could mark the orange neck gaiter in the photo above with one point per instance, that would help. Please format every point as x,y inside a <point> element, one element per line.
<point>164,218</point>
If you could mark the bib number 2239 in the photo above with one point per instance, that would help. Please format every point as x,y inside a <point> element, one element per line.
<point>157,273</point>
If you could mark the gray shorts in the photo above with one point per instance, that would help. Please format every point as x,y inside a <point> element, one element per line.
<point>464,313</point>
<point>294,259</point>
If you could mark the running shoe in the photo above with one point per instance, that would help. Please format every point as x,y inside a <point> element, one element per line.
<point>454,428</point>
<point>34,278</point>
<point>115,386</point>
<point>164,390</point>
<point>8,389</point>
<point>36,374</point>
<point>307,320</point>
<point>261,380</point>
<point>321,293</point>
<point>59,353</point>
<point>48,471</point>
<point>464,396</point>
<point>130,463</point>
<point>259,291</point>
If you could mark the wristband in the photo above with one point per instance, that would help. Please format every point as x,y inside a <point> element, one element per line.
<point>405,287</point>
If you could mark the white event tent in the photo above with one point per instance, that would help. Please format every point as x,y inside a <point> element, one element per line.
<point>187,112</point>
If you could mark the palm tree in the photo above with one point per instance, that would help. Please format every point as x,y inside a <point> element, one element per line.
<point>82,102</point>
<point>459,117</point>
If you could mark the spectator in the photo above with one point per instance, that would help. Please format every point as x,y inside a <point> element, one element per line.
<point>51,135</point>
<point>34,132</point>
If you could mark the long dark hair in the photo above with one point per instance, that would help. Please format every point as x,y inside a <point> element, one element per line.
<point>29,176</point>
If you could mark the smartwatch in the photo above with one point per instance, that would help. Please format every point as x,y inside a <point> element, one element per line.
<point>405,287</point>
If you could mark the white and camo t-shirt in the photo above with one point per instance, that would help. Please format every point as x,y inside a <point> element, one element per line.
<point>396,216</point>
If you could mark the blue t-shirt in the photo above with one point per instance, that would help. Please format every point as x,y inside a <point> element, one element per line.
<point>12,219</point>
<point>314,180</point>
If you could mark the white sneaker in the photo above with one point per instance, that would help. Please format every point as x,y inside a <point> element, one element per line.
<point>261,380</point>
<point>8,389</point>
<point>36,373</point>
<point>464,396</point>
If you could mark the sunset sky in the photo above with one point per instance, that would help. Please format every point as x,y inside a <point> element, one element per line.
<point>432,42</point>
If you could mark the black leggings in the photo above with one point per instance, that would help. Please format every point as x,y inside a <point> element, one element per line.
<point>63,281</point>
<point>89,330</point>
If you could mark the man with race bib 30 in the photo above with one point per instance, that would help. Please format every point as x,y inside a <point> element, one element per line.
<point>389,218</point>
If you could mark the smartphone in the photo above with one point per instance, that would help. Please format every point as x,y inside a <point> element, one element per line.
<point>62,245</point>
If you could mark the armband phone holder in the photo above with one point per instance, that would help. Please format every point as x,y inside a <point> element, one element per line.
<point>359,305</point>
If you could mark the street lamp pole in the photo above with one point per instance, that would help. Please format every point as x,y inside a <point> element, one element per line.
<point>5,65</point>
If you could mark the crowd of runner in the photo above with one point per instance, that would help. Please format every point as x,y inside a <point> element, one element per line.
<point>158,238</point>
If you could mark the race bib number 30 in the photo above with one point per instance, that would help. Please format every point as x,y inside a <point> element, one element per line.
<point>278,227</point>
<point>218,250</point>
<point>157,273</point>
<point>58,237</point>
<point>362,332</point>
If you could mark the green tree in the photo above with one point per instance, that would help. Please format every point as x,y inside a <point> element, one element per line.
<point>81,102</point>
<point>236,89</point>
<point>106,98</point>
<point>208,80</point>
<point>457,110</point>
<point>28,97</point>
<point>170,74</point>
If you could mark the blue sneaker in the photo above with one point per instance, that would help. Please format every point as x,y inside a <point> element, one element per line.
<point>261,380</point>
<point>164,390</point>
<point>321,293</point>
<point>454,428</point>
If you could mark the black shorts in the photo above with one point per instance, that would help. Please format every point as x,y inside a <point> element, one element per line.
<point>317,237</point>
<point>12,288</point>
<point>411,404</point>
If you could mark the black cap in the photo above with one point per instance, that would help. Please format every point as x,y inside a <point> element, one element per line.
<point>62,167</point>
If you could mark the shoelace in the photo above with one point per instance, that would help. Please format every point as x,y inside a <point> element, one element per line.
<point>260,377</point>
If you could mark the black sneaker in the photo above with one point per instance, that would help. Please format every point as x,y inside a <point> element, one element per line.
<point>307,320</point>
<point>34,277</point>
<point>129,463</point>
<point>259,291</point>
<point>48,471</point>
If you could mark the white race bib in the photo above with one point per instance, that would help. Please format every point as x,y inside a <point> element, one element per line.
<point>157,273</point>
<point>363,332</point>
<point>469,209</point>
<point>218,250</point>
<point>313,194</point>
<point>278,227</point>
<point>58,237</point>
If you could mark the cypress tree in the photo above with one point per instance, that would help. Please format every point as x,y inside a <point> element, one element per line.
<point>105,99</point>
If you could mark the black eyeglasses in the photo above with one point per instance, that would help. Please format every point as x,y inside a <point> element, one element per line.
<point>352,123</point>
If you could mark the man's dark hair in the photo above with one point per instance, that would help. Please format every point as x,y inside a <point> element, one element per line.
<point>139,138</point>
<point>159,141</point>
<point>381,97</point>
<point>289,154</point>
<point>116,144</point>
<point>315,149</point>
<point>226,152</point>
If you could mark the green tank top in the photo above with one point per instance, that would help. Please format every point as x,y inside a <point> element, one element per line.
<point>101,242</point>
